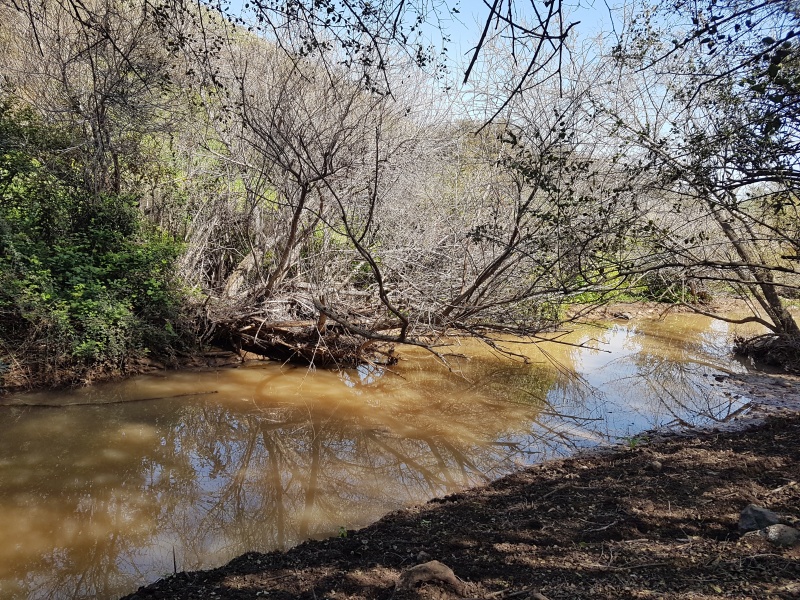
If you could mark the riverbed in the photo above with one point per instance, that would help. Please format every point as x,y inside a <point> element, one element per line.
<point>106,488</point>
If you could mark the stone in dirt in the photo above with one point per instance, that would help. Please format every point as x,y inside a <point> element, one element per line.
<point>753,518</point>
<point>431,571</point>
<point>656,466</point>
<point>781,535</point>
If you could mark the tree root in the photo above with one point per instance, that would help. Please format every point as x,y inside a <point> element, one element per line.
<point>771,349</point>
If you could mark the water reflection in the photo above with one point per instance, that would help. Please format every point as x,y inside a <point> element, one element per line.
<point>97,499</point>
<point>663,375</point>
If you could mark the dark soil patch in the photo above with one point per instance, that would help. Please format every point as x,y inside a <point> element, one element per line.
<point>655,521</point>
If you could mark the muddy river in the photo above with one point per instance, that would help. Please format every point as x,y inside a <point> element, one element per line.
<point>110,487</point>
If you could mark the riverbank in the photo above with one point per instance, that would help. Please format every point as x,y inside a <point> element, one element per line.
<point>638,309</point>
<point>657,518</point>
<point>16,380</point>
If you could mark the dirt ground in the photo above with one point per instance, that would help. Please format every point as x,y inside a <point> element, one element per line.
<point>657,518</point>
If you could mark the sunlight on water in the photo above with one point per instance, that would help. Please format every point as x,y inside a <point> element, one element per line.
<point>102,488</point>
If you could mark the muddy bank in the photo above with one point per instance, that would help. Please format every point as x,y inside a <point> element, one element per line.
<point>652,310</point>
<point>210,359</point>
<point>233,355</point>
<point>656,518</point>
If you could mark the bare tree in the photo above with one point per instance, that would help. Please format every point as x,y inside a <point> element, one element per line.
<point>363,213</point>
<point>98,69</point>
<point>716,134</point>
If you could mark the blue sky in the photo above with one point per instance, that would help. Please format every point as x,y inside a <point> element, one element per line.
<point>465,27</point>
<point>464,32</point>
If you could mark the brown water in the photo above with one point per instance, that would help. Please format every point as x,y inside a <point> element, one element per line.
<point>118,483</point>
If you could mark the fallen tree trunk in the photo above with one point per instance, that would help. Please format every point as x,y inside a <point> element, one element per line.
<point>301,342</point>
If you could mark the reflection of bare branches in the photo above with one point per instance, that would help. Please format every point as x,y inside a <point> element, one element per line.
<point>681,390</point>
<point>274,474</point>
<point>311,487</point>
<point>299,459</point>
<point>94,402</point>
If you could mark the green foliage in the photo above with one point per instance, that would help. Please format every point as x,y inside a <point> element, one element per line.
<point>668,287</point>
<point>596,297</point>
<point>603,283</point>
<point>634,441</point>
<point>539,313</point>
<point>85,283</point>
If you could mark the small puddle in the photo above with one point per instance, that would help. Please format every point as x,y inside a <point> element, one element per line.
<point>108,488</point>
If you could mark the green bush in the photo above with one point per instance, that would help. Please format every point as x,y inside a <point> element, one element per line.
<point>85,283</point>
<point>672,288</point>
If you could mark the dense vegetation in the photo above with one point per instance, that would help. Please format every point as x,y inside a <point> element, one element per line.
<point>297,184</point>
<point>86,282</point>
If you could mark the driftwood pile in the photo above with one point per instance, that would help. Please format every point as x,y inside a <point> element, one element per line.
<point>301,342</point>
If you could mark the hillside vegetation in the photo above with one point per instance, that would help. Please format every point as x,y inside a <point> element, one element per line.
<point>300,182</point>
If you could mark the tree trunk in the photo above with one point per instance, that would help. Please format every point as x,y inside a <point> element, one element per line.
<point>764,288</point>
<point>282,267</point>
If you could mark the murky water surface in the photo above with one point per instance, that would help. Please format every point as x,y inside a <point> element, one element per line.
<point>119,484</point>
